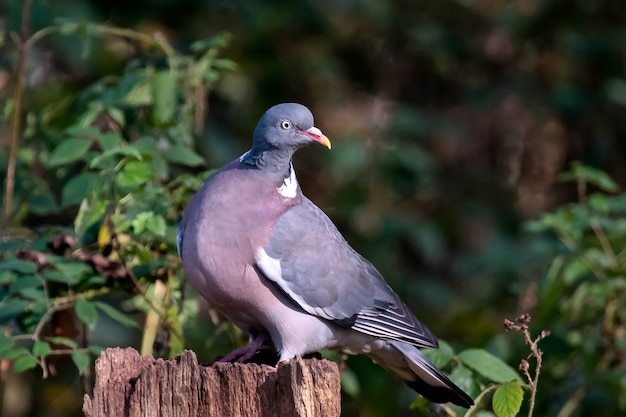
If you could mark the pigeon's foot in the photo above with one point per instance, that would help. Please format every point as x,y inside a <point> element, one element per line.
<point>241,354</point>
<point>266,357</point>
<point>260,350</point>
<point>313,355</point>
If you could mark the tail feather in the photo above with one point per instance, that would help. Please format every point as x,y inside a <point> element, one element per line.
<point>429,381</point>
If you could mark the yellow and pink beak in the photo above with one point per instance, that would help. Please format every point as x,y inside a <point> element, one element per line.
<point>317,135</point>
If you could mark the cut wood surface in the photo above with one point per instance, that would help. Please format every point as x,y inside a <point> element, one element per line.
<point>129,385</point>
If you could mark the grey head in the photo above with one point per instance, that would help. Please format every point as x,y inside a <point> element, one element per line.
<point>280,132</point>
<point>287,126</point>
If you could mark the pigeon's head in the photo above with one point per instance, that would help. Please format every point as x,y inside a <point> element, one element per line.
<point>287,126</point>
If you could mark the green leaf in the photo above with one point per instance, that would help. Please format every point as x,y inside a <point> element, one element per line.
<point>82,131</point>
<point>41,348</point>
<point>176,343</point>
<point>599,202</point>
<point>115,314</point>
<point>86,43</point>
<point>439,357</point>
<point>41,200</point>
<point>225,64</point>
<point>7,277</point>
<point>216,42</point>
<point>109,141</point>
<point>146,145</point>
<point>574,270</point>
<point>482,400</point>
<point>24,282</point>
<point>591,175</point>
<point>350,383</point>
<point>24,363</point>
<point>87,216</point>
<point>81,360</point>
<point>134,173</point>
<point>139,95</point>
<point>559,221</point>
<point>56,276</point>
<point>617,203</point>
<point>68,28</point>
<point>102,160</point>
<point>96,350</point>
<point>11,244</point>
<point>184,156</point>
<point>69,150</point>
<point>535,226</point>
<point>466,379</point>
<point>89,116</point>
<point>6,343</point>
<point>77,188</point>
<point>64,341</point>
<point>163,98</point>
<point>488,365</point>
<point>160,168</point>
<point>420,405</point>
<point>19,265</point>
<point>86,312</point>
<point>507,400</point>
<point>72,270</point>
<point>33,293</point>
<point>149,222</point>
<point>12,308</point>
<point>17,352</point>
<point>117,115</point>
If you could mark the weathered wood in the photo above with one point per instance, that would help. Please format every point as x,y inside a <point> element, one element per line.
<point>128,385</point>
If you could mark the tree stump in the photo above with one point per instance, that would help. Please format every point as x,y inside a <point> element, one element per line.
<point>128,385</point>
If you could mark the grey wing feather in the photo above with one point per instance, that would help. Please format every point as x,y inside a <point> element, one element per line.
<point>179,239</point>
<point>311,262</point>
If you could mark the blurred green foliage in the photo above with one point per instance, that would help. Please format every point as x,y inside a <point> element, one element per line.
<point>108,159</point>
<point>451,122</point>
<point>583,294</point>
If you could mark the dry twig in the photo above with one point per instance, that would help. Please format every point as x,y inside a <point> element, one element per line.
<point>521,324</point>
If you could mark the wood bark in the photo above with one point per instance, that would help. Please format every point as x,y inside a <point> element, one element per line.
<point>129,385</point>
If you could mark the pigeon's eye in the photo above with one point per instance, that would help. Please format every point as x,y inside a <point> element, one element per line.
<point>285,124</point>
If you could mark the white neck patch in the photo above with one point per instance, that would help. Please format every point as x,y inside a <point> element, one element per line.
<point>243,156</point>
<point>290,184</point>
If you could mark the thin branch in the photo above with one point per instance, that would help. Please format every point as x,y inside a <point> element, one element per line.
<point>153,318</point>
<point>571,245</point>
<point>59,352</point>
<point>16,116</point>
<point>604,242</point>
<point>595,225</point>
<point>572,404</point>
<point>521,324</point>
<point>59,304</point>
<point>157,39</point>
<point>581,188</point>
<point>163,318</point>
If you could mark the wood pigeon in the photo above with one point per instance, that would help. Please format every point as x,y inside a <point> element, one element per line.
<point>274,264</point>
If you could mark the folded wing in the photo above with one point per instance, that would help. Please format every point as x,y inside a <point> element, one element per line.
<point>311,262</point>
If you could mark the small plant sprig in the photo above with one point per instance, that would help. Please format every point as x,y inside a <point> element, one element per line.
<point>521,324</point>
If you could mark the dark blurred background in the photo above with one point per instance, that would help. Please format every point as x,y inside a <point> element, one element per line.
<point>450,123</point>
